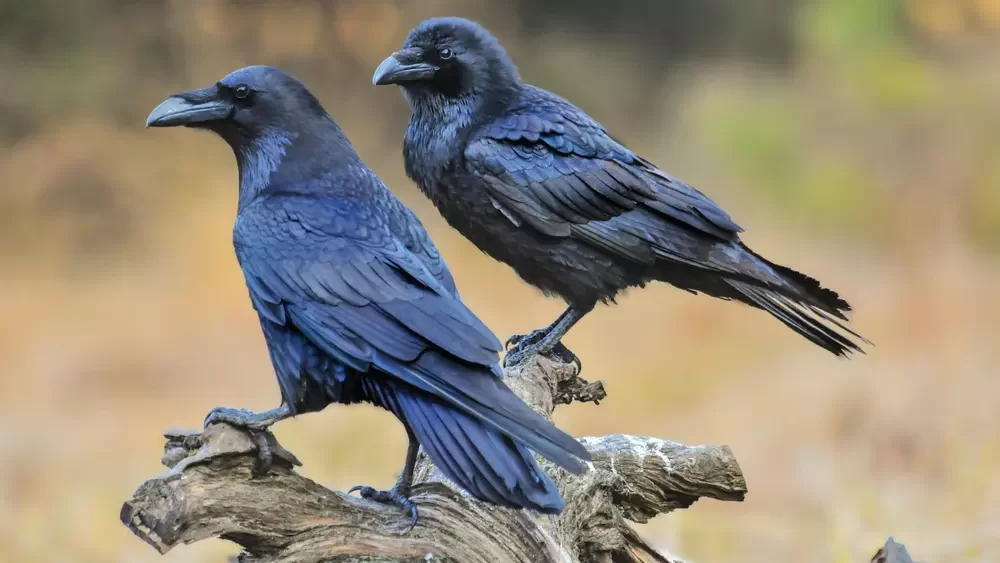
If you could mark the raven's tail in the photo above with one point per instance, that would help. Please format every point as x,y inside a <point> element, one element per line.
<point>487,464</point>
<point>804,306</point>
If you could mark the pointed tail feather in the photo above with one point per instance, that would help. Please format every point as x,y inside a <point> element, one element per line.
<point>487,464</point>
<point>483,397</point>
<point>816,319</point>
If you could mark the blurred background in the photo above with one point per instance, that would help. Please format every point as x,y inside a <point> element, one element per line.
<point>856,140</point>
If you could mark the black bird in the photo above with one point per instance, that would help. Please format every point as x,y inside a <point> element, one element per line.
<point>538,184</point>
<point>355,302</point>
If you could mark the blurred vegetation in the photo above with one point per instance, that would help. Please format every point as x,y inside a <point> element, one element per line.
<point>784,88</point>
<point>858,140</point>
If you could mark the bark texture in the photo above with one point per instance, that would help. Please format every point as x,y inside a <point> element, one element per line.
<point>210,491</point>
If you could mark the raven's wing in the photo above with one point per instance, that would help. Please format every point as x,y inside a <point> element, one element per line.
<point>549,165</point>
<point>411,232</point>
<point>334,270</point>
<point>300,254</point>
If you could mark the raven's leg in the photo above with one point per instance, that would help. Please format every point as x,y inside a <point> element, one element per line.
<point>254,423</point>
<point>521,340</point>
<point>546,341</point>
<point>399,494</point>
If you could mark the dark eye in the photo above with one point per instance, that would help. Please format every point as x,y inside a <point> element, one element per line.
<point>446,54</point>
<point>241,91</point>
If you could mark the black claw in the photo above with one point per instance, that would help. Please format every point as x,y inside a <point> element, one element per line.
<point>559,353</point>
<point>223,414</point>
<point>564,355</point>
<point>393,497</point>
<point>242,418</point>
<point>256,424</point>
<point>513,358</point>
<point>410,509</point>
<point>366,491</point>
<point>524,340</point>
<point>265,454</point>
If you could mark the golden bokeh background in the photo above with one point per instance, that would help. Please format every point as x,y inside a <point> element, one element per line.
<point>856,140</point>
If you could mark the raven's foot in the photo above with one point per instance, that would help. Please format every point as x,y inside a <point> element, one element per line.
<point>393,496</point>
<point>525,340</point>
<point>527,346</point>
<point>244,418</point>
<point>256,424</point>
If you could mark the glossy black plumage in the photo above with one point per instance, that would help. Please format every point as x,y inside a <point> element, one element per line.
<point>356,304</point>
<point>538,184</point>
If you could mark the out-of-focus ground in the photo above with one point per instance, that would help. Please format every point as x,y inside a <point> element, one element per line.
<point>856,140</point>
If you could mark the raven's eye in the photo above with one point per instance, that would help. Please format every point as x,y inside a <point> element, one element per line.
<point>446,54</point>
<point>241,91</point>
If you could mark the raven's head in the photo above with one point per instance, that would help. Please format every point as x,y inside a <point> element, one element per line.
<point>246,105</point>
<point>449,58</point>
<point>265,115</point>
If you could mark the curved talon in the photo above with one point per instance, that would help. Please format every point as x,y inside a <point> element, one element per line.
<point>363,488</point>
<point>256,425</point>
<point>515,340</point>
<point>393,497</point>
<point>559,353</point>
<point>513,358</point>
<point>241,418</point>
<point>236,417</point>
<point>410,508</point>
<point>563,354</point>
<point>524,340</point>
<point>265,455</point>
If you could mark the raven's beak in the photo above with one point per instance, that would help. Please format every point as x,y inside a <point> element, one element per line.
<point>402,67</point>
<point>190,108</point>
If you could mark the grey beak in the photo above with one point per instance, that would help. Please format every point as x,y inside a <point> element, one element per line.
<point>177,110</point>
<point>398,69</point>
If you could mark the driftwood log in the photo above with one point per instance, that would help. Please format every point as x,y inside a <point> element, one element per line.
<point>210,491</point>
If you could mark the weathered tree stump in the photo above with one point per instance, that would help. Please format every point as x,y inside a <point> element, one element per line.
<point>210,491</point>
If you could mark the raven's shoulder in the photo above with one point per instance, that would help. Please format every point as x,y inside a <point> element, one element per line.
<point>409,230</point>
<point>332,266</point>
<point>551,165</point>
<point>322,217</point>
<point>539,116</point>
<point>297,219</point>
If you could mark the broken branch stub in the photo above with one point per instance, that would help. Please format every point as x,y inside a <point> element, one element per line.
<point>210,490</point>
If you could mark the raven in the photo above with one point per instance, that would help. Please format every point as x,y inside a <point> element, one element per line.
<point>355,302</point>
<point>538,184</point>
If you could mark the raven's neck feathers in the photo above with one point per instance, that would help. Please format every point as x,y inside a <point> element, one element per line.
<point>287,156</point>
<point>258,159</point>
<point>488,98</point>
<point>440,126</point>
<point>490,85</point>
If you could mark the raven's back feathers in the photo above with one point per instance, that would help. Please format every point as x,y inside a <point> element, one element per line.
<point>342,283</point>
<point>554,166</point>
<point>552,169</point>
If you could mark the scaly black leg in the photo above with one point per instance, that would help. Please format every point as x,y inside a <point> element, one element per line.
<point>522,341</point>
<point>256,425</point>
<point>547,341</point>
<point>399,494</point>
